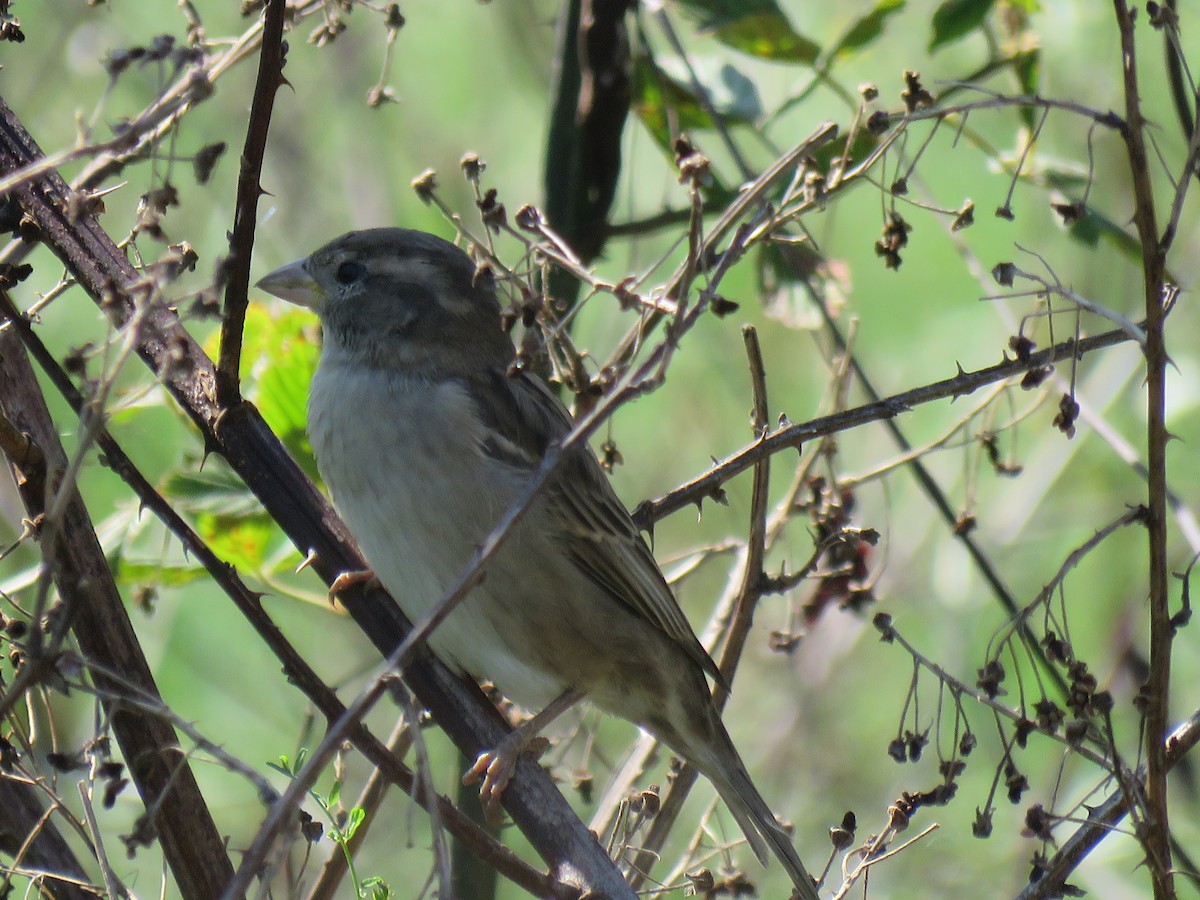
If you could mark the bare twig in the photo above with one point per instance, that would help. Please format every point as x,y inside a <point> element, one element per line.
<point>241,242</point>
<point>1158,685</point>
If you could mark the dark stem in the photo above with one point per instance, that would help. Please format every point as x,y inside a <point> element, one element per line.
<point>1156,839</point>
<point>249,189</point>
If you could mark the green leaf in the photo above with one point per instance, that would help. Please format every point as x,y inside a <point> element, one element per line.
<point>357,816</point>
<point>1027,65</point>
<point>756,27</point>
<point>1094,227</point>
<point>281,351</point>
<point>226,513</point>
<point>214,490</point>
<point>712,15</point>
<point>665,107</point>
<point>1065,176</point>
<point>955,19</point>
<point>658,104</point>
<point>730,93</point>
<point>769,35</point>
<point>867,29</point>
<point>135,572</point>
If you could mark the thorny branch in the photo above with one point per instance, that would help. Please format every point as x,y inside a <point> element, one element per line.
<point>241,242</point>
<point>1156,838</point>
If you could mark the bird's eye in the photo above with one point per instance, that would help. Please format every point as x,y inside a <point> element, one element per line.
<point>349,272</point>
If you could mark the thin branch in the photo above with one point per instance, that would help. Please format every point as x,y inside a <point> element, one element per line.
<point>1158,685</point>
<point>706,486</point>
<point>249,189</point>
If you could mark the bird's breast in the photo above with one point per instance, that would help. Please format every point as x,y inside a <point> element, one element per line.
<point>403,460</point>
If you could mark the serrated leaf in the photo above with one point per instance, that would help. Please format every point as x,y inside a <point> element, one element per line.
<point>955,19</point>
<point>867,29</point>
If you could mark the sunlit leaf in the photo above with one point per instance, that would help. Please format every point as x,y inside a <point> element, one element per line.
<point>227,515</point>
<point>357,816</point>
<point>769,35</point>
<point>132,572</point>
<point>242,542</point>
<point>281,355</point>
<point>756,27</point>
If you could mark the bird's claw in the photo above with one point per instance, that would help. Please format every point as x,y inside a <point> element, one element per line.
<point>347,580</point>
<point>494,769</point>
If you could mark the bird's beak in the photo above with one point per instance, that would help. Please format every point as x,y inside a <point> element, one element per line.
<point>293,283</point>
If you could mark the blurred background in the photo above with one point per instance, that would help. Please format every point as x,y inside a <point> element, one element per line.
<point>813,724</point>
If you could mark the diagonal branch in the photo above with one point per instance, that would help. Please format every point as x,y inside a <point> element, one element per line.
<point>191,843</point>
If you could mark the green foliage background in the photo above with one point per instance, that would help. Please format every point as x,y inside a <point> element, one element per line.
<point>813,726</point>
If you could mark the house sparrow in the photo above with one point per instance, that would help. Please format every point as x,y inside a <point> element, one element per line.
<point>425,437</point>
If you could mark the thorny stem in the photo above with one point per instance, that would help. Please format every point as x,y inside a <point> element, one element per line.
<point>1156,838</point>
<point>249,189</point>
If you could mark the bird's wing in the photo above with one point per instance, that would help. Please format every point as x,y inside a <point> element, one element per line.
<point>594,527</point>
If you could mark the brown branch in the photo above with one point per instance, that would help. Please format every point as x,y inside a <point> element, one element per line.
<point>1156,838</point>
<point>707,486</point>
<point>249,189</point>
<point>1104,818</point>
<point>42,847</point>
<point>191,843</point>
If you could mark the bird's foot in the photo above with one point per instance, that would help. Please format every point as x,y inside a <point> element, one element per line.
<point>495,768</point>
<point>347,580</point>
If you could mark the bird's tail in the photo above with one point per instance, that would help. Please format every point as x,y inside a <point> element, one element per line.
<point>763,832</point>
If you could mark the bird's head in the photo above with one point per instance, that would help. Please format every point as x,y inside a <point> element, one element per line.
<point>398,298</point>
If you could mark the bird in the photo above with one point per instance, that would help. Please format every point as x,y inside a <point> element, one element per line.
<point>425,433</point>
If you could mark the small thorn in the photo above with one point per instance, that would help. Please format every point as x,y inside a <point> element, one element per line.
<point>308,561</point>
